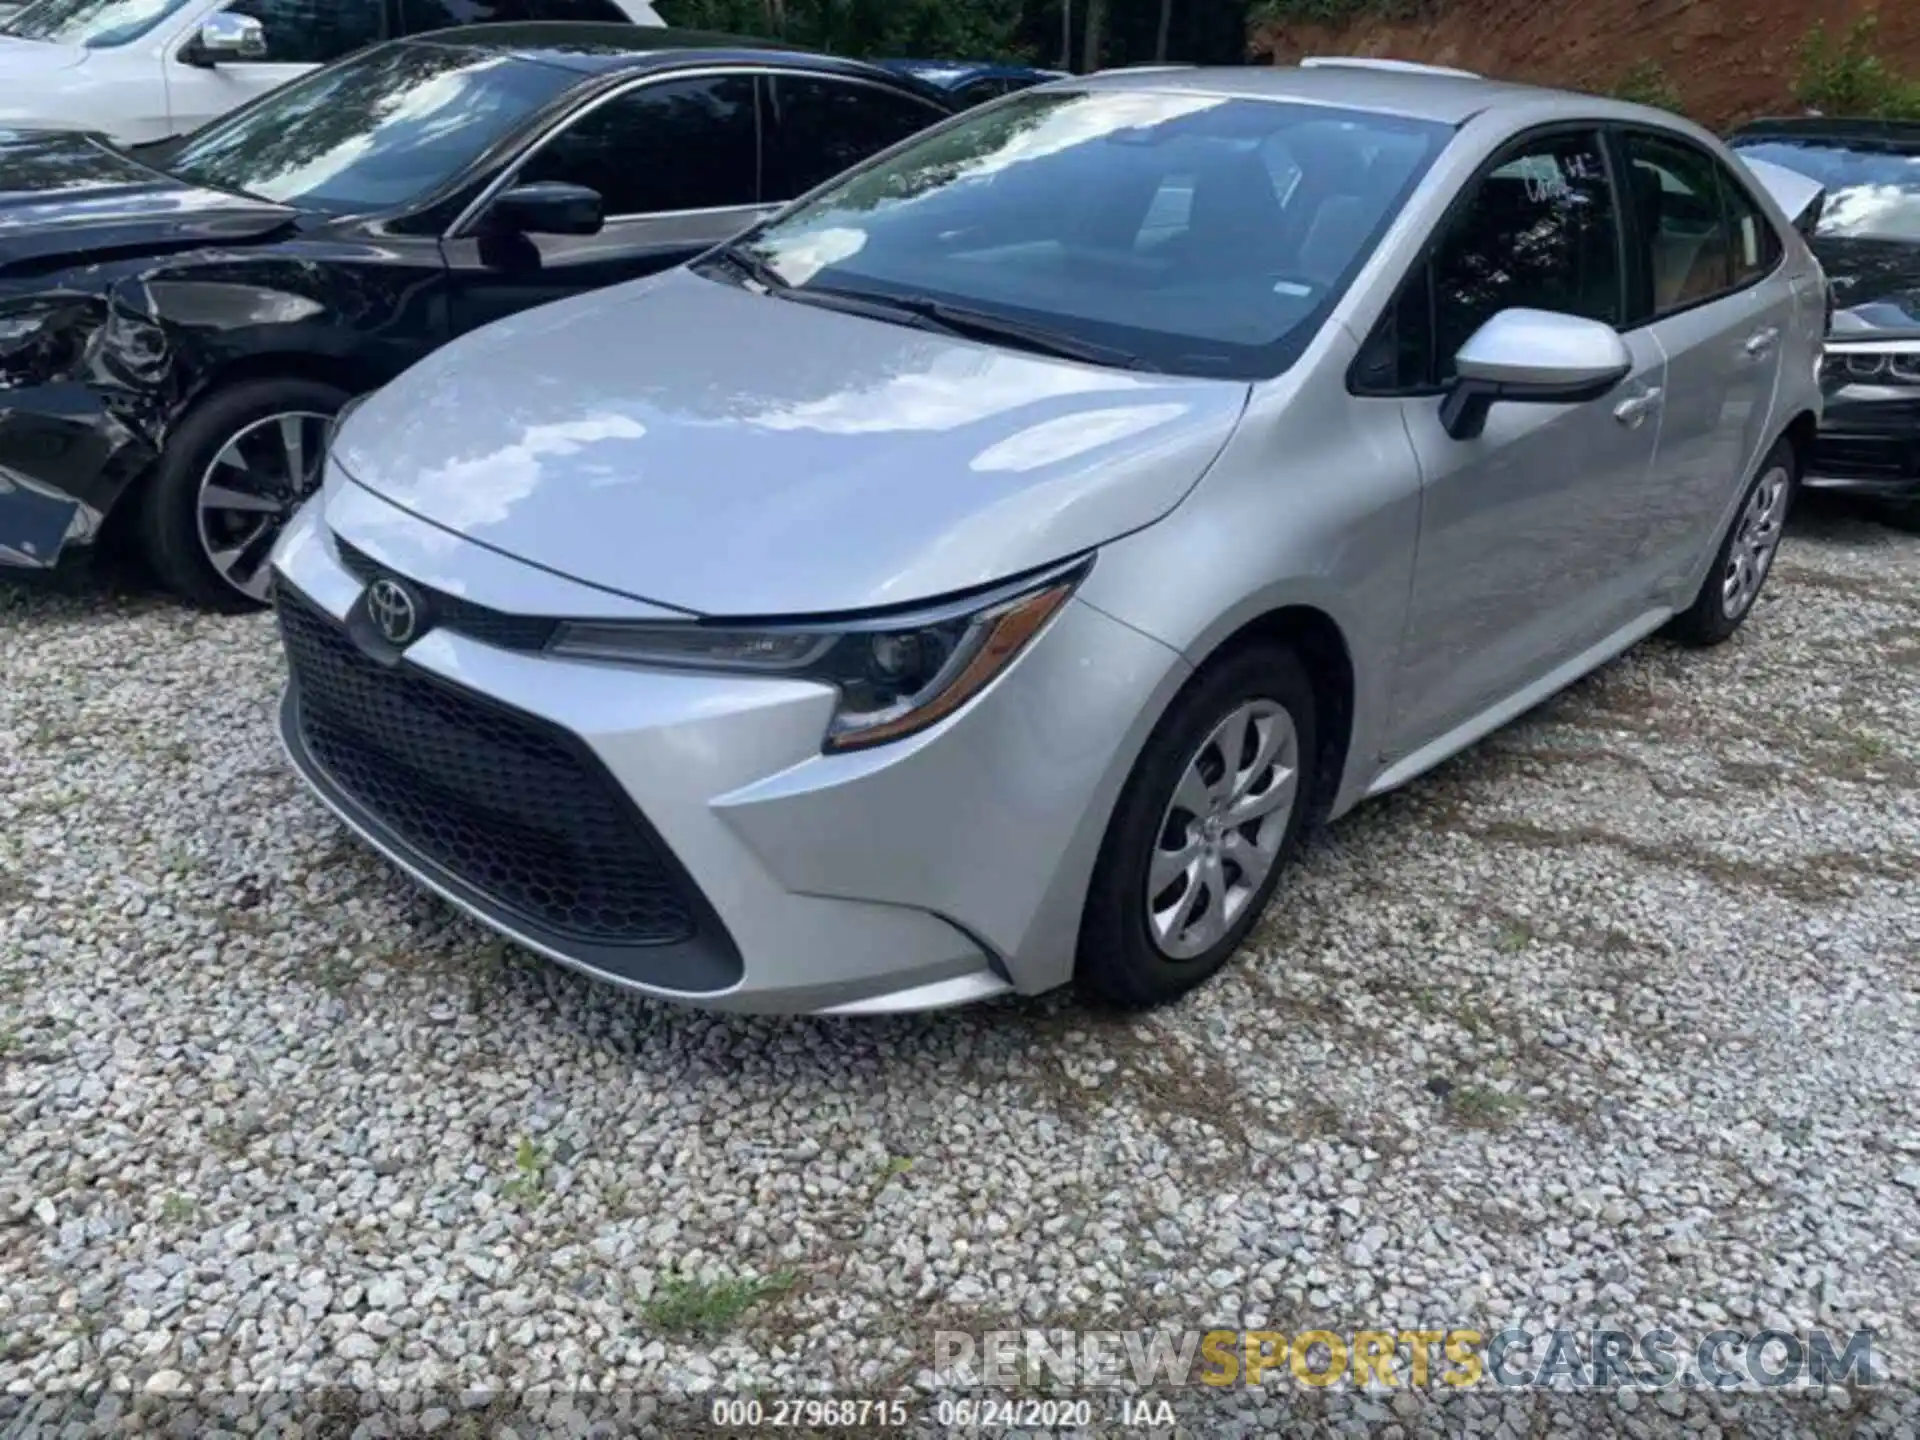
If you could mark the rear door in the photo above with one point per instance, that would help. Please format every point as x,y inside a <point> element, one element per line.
<point>676,162</point>
<point>1527,532</point>
<point>1711,279</point>
<point>819,125</point>
<point>300,36</point>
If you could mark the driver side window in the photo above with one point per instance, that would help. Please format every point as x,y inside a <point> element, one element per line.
<point>312,32</point>
<point>1540,231</point>
<point>671,146</point>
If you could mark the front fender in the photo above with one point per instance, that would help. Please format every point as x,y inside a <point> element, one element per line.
<point>1314,504</point>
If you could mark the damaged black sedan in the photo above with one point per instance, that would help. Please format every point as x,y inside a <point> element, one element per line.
<point>177,335</point>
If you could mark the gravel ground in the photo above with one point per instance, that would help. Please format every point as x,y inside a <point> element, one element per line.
<point>1614,1020</point>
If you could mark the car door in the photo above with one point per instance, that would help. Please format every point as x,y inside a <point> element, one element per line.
<point>1712,282</point>
<point>676,162</point>
<point>821,124</point>
<point>1528,532</point>
<point>299,35</point>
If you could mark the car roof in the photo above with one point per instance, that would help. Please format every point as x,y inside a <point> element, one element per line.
<point>599,49</point>
<point>1830,127</point>
<point>954,73</point>
<point>1424,95</point>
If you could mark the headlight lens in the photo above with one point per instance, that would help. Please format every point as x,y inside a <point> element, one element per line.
<point>896,675</point>
<point>1892,362</point>
<point>41,338</point>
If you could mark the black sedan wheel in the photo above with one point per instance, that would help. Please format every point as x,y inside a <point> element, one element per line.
<point>231,477</point>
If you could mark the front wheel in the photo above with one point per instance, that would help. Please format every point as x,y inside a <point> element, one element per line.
<point>1745,557</point>
<point>231,476</point>
<point>1197,841</point>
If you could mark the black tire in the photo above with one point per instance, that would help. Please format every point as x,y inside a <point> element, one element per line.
<point>169,505</point>
<point>1708,620</point>
<point>1120,962</point>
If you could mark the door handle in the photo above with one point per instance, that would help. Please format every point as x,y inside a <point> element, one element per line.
<point>1634,410</point>
<point>1760,344</point>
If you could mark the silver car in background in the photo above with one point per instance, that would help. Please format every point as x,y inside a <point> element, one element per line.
<point>972,579</point>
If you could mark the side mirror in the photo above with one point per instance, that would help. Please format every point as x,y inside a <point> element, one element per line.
<point>548,207</point>
<point>1531,356</point>
<point>227,37</point>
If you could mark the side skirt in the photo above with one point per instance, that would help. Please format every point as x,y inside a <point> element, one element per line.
<point>1518,703</point>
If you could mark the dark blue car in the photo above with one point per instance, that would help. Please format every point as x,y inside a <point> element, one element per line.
<point>969,83</point>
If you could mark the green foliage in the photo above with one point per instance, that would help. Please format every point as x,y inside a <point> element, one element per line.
<point>1484,1108</point>
<point>529,1183</point>
<point>691,1307</point>
<point>1846,77</point>
<point>1647,83</point>
<point>1337,12</point>
<point>932,29</point>
<point>1036,32</point>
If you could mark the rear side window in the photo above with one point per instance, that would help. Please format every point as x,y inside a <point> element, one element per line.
<point>677,145</point>
<point>820,126</point>
<point>1682,233</point>
<point>419,15</point>
<point>1756,245</point>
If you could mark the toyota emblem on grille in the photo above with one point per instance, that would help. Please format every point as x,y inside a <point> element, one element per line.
<point>393,610</point>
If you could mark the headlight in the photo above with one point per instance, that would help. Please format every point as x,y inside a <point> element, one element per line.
<point>21,326</point>
<point>896,674</point>
<point>41,337</point>
<point>1874,362</point>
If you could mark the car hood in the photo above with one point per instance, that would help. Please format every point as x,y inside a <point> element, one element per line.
<point>25,59</point>
<point>67,194</point>
<point>686,442</point>
<point>1876,283</point>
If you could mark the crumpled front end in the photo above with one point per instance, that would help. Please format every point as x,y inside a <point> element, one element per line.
<point>77,426</point>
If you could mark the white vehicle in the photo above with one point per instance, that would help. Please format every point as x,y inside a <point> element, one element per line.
<point>143,71</point>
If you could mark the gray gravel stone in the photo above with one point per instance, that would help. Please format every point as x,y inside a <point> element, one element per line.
<point>1610,1021</point>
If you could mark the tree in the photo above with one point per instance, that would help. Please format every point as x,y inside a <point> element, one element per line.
<point>1096,31</point>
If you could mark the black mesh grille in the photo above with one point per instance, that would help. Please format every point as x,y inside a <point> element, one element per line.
<point>512,807</point>
<point>450,612</point>
<point>1892,457</point>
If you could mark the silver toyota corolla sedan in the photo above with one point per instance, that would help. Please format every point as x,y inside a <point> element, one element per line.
<point>972,579</point>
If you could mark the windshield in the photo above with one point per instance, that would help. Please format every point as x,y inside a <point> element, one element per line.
<point>1872,190</point>
<point>380,130</point>
<point>1202,235</point>
<point>96,24</point>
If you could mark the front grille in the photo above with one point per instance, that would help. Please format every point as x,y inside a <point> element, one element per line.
<point>514,808</point>
<point>450,612</point>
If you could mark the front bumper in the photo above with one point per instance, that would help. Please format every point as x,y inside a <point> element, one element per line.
<point>66,457</point>
<point>1868,444</point>
<point>937,870</point>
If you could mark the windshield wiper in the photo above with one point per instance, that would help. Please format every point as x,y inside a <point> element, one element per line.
<point>752,266</point>
<point>980,325</point>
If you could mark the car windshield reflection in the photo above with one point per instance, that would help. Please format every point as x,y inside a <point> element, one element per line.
<point>374,132</point>
<point>1199,234</point>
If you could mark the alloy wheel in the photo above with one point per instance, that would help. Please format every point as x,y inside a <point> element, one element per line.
<point>255,483</point>
<point>1222,829</point>
<point>1756,538</point>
